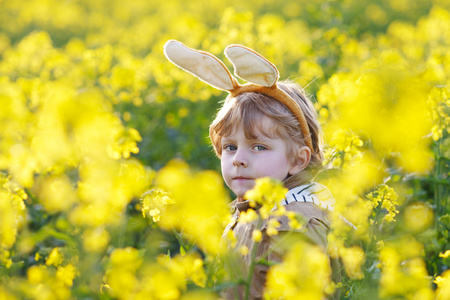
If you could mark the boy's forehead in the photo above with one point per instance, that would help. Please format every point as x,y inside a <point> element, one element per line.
<point>261,127</point>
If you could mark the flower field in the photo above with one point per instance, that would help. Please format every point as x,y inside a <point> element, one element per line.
<point>109,188</point>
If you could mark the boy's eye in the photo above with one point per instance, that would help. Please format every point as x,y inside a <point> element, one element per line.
<point>230,147</point>
<point>259,148</point>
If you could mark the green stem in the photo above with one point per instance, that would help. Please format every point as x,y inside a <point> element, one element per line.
<point>180,240</point>
<point>446,200</point>
<point>342,160</point>
<point>30,195</point>
<point>255,245</point>
<point>437,171</point>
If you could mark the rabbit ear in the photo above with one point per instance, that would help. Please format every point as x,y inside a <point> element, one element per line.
<point>204,65</point>
<point>252,66</point>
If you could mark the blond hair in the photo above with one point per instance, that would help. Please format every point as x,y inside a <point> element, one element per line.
<point>248,109</point>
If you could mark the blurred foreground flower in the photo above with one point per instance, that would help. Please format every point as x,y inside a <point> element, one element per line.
<point>304,274</point>
<point>128,277</point>
<point>199,207</point>
<point>266,194</point>
<point>402,262</point>
<point>443,286</point>
<point>12,211</point>
<point>387,105</point>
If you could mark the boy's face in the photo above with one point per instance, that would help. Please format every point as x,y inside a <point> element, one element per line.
<point>244,160</point>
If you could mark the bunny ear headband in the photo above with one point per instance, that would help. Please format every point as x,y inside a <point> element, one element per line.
<point>261,74</point>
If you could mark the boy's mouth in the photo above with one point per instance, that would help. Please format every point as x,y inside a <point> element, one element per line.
<point>242,178</point>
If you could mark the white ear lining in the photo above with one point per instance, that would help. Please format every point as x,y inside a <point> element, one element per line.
<point>203,65</point>
<point>251,66</point>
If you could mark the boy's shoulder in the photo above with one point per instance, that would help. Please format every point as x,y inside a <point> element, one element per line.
<point>306,214</point>
<point>311,202</point>
<point>311,192</point>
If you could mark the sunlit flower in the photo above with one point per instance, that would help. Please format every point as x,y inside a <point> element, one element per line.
<point>304,273</point>
<point>155,201</point>
<point>267,192</point>
<point>200,207</point>
<point>445,254</point>
<point>66,274</point>
<point>248,216</point>
<point>55,257</point>
<point>96,239</point>
<point>443,286</point>
<point>256,235</point>
<point>418,216</point>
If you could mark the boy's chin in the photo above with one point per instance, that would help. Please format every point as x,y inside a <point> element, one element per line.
<point>240,193</point>
<point>240,199</point>
<point>240,196</point>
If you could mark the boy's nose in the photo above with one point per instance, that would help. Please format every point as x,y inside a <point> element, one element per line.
<point>239,163</point>
<point>239,159</point>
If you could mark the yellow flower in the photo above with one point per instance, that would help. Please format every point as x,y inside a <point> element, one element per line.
<point>267,192</point>
<point>155,201</point>
<point>231,238</point>
<point>12,211</point>
<point>126,258</point>
<point>256,235</point>
<point>439,281</point>
<point>191,266</point>
<point>303,274</point>
<point>66,274</point>
<point>200,207</point>
<point>36,274</point>
<point>353,258</point>
<point>248,216</point>
<point>443,286</point>
<point>57,194</point>
<point>96,239</point>
<point>55,258</point>
<point>296,221</point>
<point>388,199</point>
<point>445,254</point>
<point>272,226</point>
<point>5,295</point>
<point>244,250</point>
<point>418,216</point>
<point>401,261</point>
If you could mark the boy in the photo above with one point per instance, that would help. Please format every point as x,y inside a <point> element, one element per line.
<point>265,128</point>
<point>256,136</point>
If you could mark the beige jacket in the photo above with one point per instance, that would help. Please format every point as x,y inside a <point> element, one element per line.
<point>315,232</point>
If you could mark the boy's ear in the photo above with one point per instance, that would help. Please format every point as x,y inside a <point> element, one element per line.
<point>301,160</point>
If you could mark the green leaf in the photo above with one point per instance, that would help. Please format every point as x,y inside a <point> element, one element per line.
<point>445,220</point>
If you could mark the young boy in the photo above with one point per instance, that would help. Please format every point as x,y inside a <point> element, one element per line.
<point>265,128</point>
<point>256,136</point>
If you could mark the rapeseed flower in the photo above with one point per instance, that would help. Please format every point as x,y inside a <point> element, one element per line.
<point>55,257</point>
<point>200,209</point>
<point>402,261</point>
<point>304,273</point>
<point>66,274</point>
<point>266,193</point>
<point>12,211</point>
<point>443,286</point>
<point>190,266</point>
<point>353,259</point>
<point>418,216</point>
<point>256,235</point>
<point>154,202</point>
<point>95,239</point>
<point>446,254</point>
